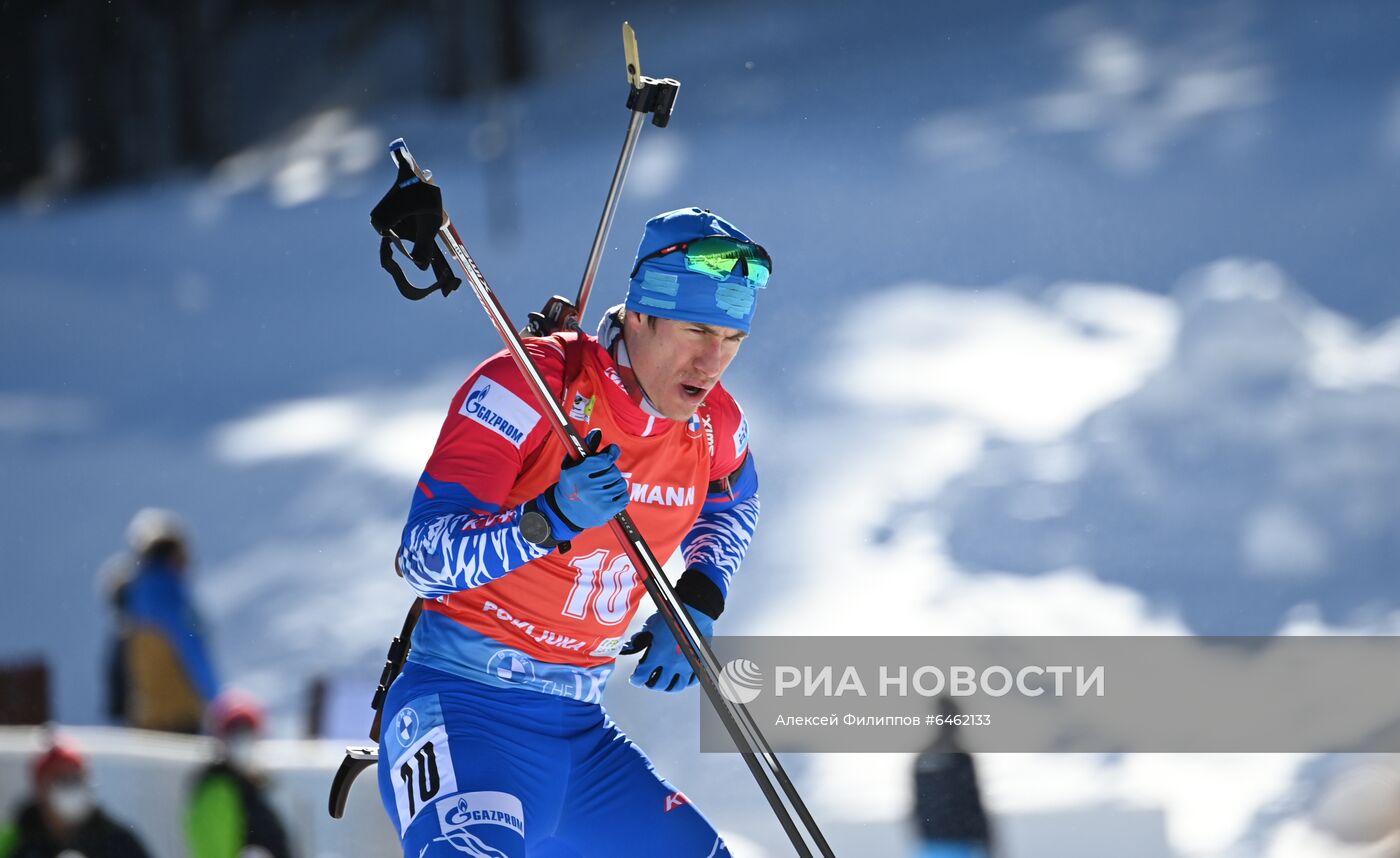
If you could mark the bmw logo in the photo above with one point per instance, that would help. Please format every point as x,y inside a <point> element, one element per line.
<point>407,724</point>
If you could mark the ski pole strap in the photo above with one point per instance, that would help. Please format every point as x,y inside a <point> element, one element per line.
<point>412,209</point>
<point>446,281</point>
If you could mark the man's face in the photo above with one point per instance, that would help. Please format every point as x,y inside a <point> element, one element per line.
<point>678,363</point>
<point>65,798</point>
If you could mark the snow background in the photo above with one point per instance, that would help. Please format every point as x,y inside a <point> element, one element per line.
<point>1084,320</point>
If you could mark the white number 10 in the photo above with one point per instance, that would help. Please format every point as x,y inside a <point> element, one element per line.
<point>607,585</point>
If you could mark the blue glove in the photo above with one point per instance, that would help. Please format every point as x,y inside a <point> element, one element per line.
<point>663,667</point>
<point>589,493</point>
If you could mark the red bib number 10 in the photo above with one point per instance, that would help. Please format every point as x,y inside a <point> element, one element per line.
<point>603,584</point>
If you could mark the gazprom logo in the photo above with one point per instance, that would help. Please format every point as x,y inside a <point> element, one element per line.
<point>492,405</point>
<point>460,813</point>
<point>741,681</point>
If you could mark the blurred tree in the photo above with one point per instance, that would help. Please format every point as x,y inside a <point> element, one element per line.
<point>102,87</point>
<point>21,155</point>
<point>192,37</point>
<point>94,94</point>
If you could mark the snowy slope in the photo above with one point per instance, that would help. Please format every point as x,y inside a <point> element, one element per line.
<point>1104,293</point>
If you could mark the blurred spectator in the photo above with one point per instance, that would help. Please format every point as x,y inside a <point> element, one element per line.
<point>228,814</point>
<point>113,579</point>
<point>159,672</point>
<point>62,817</point>
<point>947,799</point>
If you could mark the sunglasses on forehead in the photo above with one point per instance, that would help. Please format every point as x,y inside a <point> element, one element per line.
<point>716,256</point>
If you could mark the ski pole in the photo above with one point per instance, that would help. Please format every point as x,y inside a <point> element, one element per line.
<point>644,95</point>
<point>739,723</point>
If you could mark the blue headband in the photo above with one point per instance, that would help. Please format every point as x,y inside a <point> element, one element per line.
<point>664,287</point>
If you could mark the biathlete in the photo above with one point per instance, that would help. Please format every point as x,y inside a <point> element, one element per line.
<point>495,742</point>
